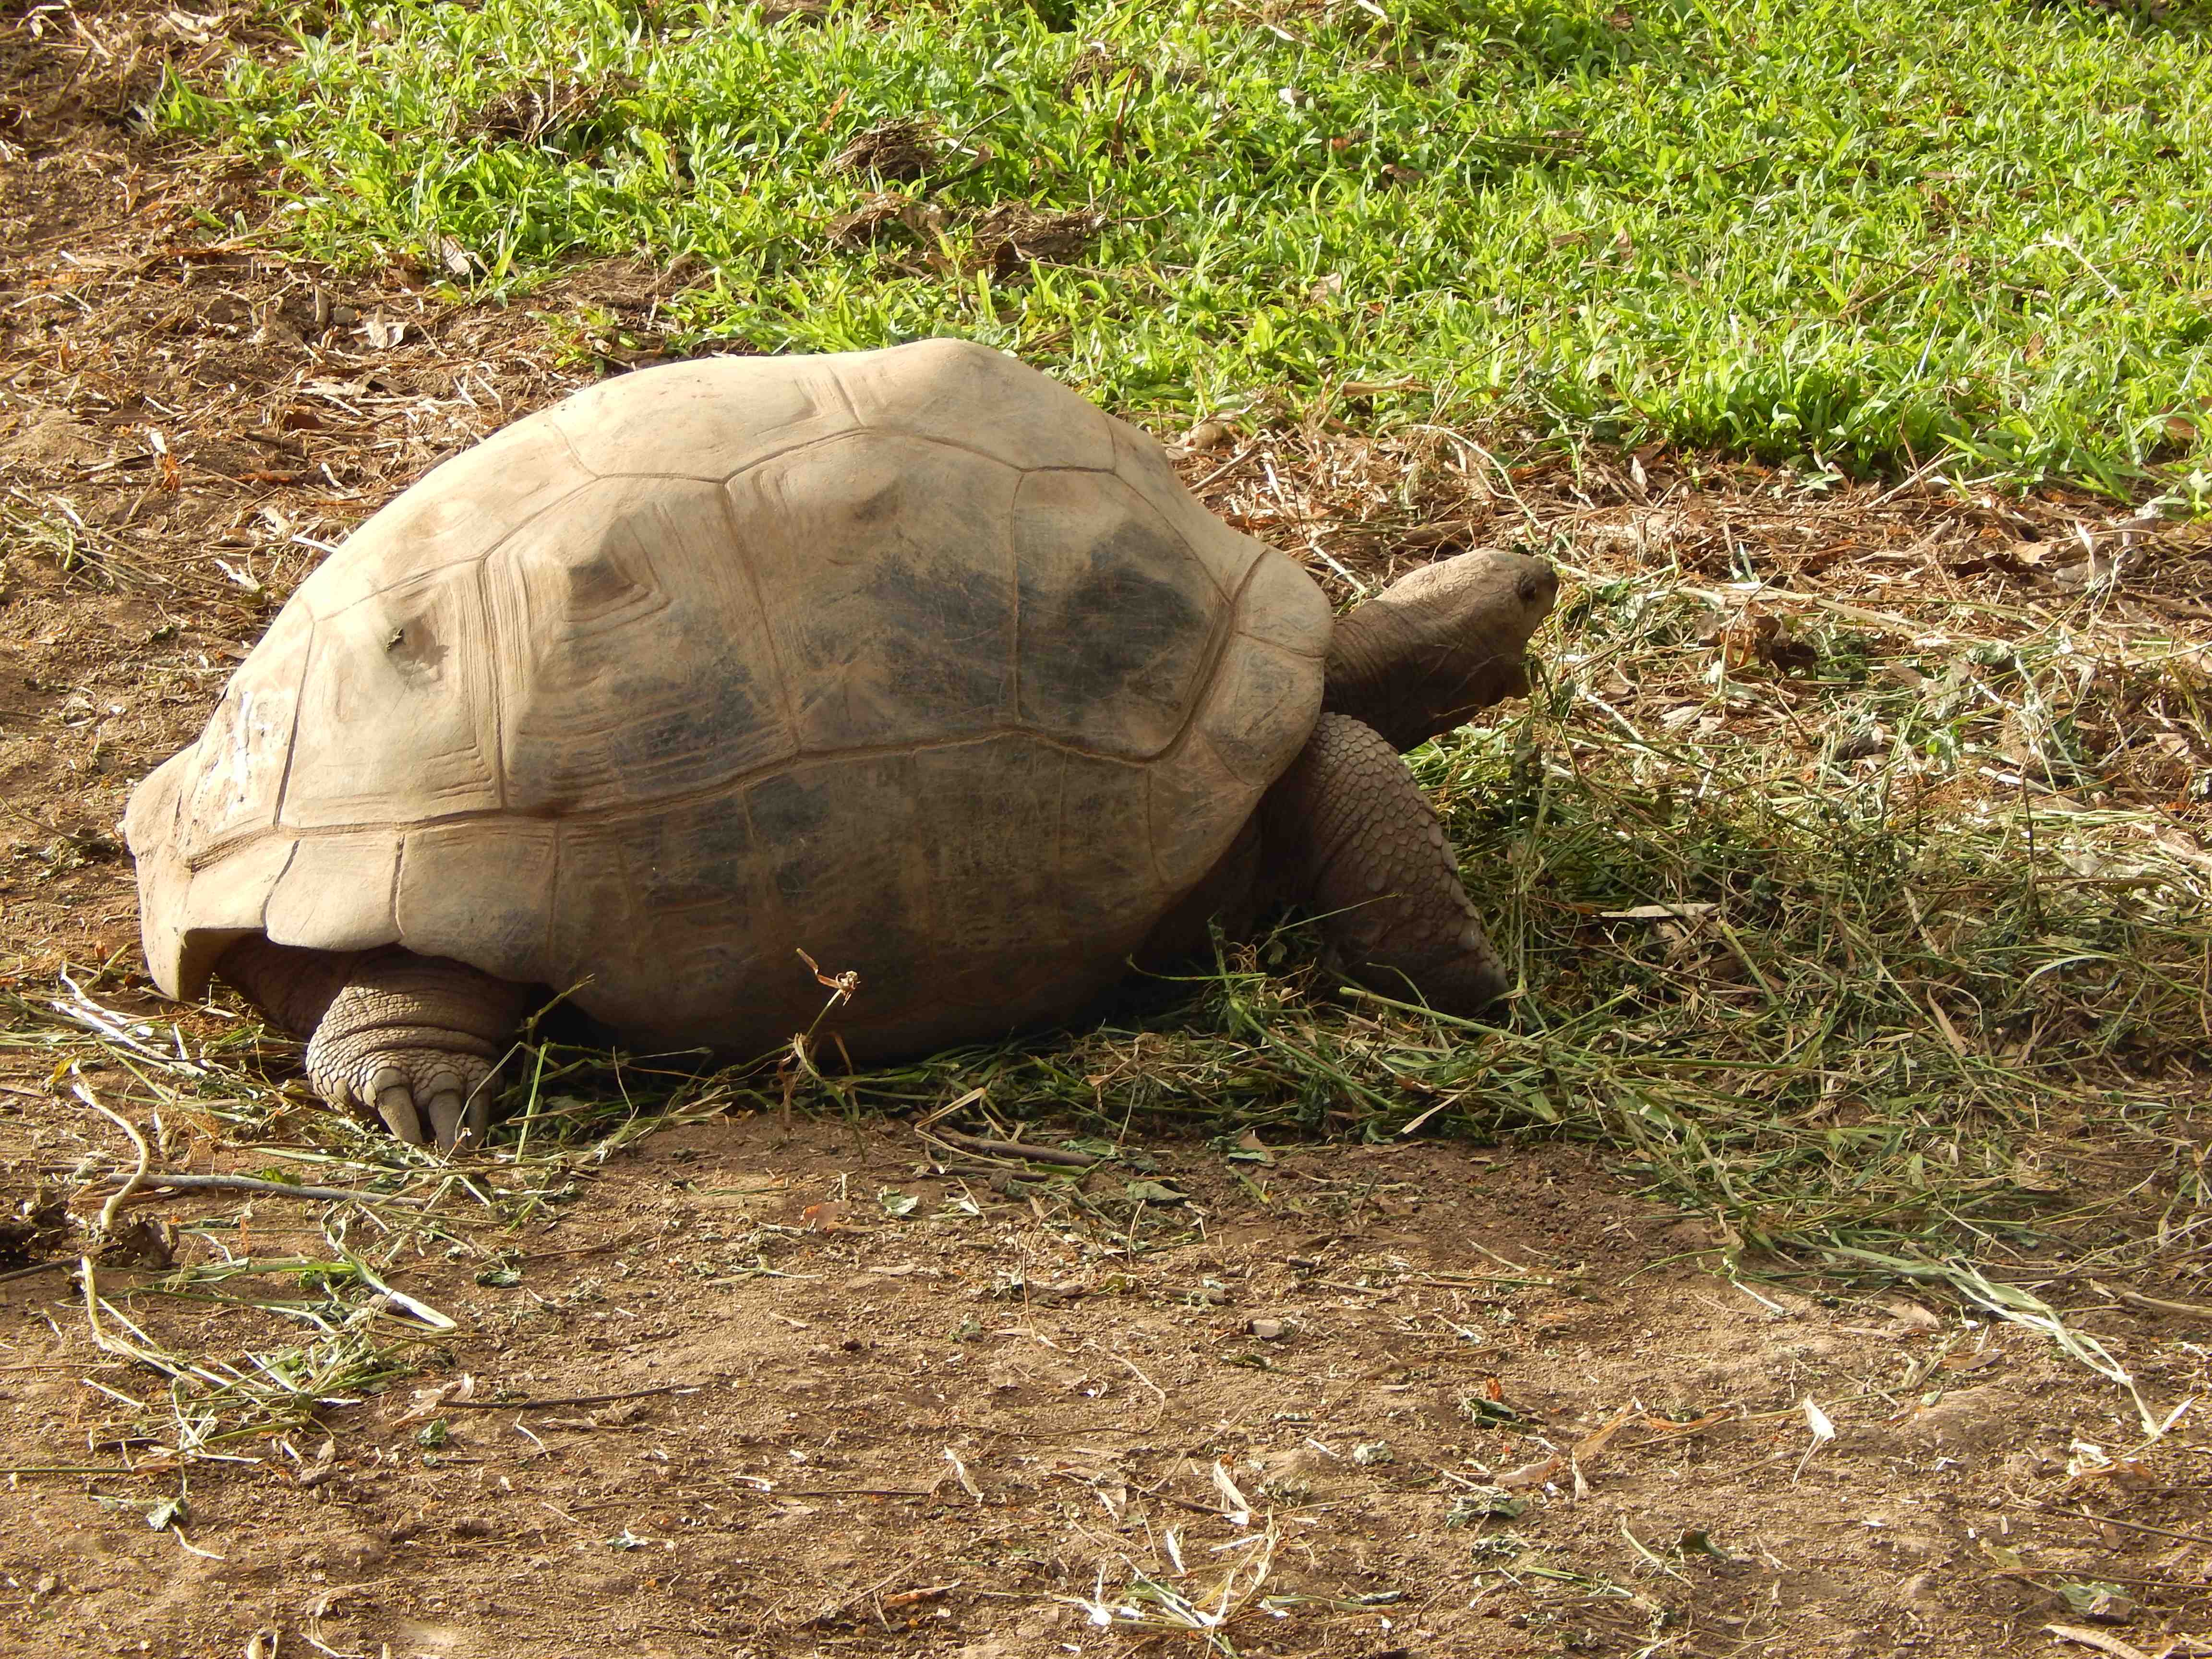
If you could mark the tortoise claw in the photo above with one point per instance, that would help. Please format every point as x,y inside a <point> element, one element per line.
<point>452,1114</point>
<point>394,1102</point>
<point>446,1109</point>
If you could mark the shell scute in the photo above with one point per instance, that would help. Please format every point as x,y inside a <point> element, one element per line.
<point>456,512</point>
<point>1119,618</point>
<point>232,897</point>
<point>238,784</point>
<point>1104,841</point>
<point>661,924</point>
<point>1243,716</point>
<point>991,819</point>
<point>1197,807</point>
<point>1140,464</point>
<point>957,392</point>
<point>397,718</point>
<point>844,848</point>
<point>633,662</point>
<point>1283,608</point>
<point>454,894</point>
<point>886,574</point>
<point>334,893</point>
<point>705,419</point>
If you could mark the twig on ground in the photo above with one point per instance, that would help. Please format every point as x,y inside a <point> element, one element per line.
<point>566,1399</point>
<point>2156,1304</point>
<point>106,1225</point>
<point>985,1147</point>
<point>2130,1526</point>
<point>158,1180</point>
<point>37,1267</point>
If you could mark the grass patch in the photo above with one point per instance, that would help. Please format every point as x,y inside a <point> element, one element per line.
<point>1859,230</point>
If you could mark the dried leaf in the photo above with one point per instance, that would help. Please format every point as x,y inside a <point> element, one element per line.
<point>1152,1192</point>
<point>2102,1603</point>
<point>1531,1474</point>
<point>1911,1314</point>
<point>889,150</point>
<point>1013,235</point>
<point>1761,638</point>
<point>427,1402</point>
<point>1592,1443</point>
<point>882,215</point>
<point>1250,1149</point>
<point>913,1597</point>
<point>1482,1503</point>
<point>960,1474</point>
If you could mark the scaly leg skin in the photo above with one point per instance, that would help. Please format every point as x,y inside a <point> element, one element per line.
<point>1361,845</point>
<point>415,1040</point>
<point>293,987</point>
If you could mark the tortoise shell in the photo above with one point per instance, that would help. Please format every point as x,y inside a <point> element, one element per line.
<point>912,660</point>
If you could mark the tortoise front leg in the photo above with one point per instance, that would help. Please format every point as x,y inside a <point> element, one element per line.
<point>415,1040</point>
<point>1357,841</point>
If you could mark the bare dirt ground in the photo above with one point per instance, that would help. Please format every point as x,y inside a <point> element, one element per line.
<point>744,1386</point>
<point>830,1430</point>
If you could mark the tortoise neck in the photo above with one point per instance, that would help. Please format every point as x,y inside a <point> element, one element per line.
<point>1391,668</point>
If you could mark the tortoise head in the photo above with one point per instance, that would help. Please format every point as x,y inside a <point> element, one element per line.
<point>1436,646</point>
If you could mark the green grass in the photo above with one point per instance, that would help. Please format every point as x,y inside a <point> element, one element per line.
<point>1864,231</point>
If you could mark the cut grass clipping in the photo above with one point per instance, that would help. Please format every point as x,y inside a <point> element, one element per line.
<point>1868,232</point>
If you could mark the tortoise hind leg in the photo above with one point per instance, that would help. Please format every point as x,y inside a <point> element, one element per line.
<point>415,1040</point>
<point>1358,843</point>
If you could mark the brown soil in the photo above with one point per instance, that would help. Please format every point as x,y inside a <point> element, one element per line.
<point>848,1432</point>
<point>959,1429</point>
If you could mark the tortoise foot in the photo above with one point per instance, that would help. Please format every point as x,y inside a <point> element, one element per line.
<point>1366,852</point>
<point>417,1041</point>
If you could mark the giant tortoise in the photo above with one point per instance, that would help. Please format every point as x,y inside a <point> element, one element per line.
<point>912,663</point>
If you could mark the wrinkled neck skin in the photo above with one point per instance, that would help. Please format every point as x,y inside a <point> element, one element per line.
<point>1412,690</point>
<point>1431,651</point>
